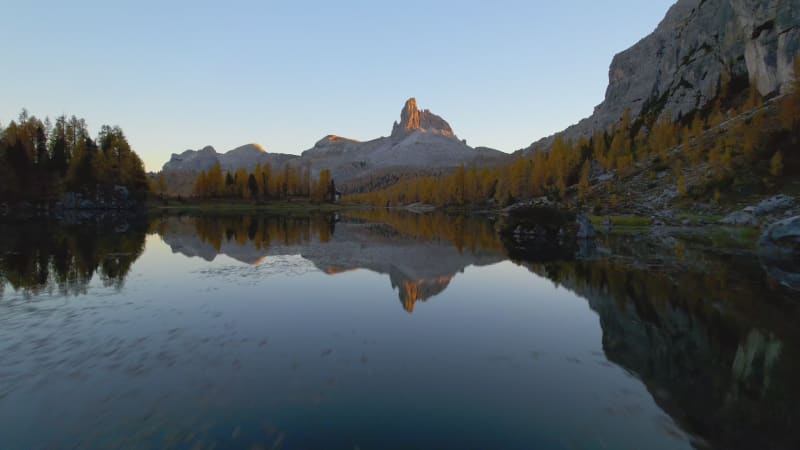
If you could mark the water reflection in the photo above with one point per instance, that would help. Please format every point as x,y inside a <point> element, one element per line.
<point>709,335</point>
<point>38,256</point>
<point>714,340</point>
<point>420,253</point>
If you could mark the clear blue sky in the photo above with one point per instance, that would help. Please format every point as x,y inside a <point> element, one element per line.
<point>182,75</point>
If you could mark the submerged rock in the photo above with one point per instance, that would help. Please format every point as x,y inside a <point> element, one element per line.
<point>782,237</point>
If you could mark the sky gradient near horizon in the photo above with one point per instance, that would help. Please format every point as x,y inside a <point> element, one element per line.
<point>285,74</point>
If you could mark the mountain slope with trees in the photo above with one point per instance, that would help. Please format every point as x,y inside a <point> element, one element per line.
<point>661,138</point>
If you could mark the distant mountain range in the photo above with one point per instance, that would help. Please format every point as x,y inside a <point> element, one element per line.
<point>421,143</point>
<point>246,156</point>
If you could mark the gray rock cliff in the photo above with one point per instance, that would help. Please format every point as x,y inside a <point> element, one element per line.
<point>680,66</point>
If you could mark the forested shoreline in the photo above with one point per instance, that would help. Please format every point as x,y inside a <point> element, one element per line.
<point>264,184</point>
<point>42,160</point>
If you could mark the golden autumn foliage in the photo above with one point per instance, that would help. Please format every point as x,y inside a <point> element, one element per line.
<point>263,184</point>
<point>730,136</point>
<point>546,173</point>
<point>583,184</point>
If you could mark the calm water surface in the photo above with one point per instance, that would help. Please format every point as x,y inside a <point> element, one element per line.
<point>385,331</point>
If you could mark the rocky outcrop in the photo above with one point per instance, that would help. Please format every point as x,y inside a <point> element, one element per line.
<point>192,160</point>
<point>412,119</point>
<point>115,198</point>
<point>680,66</point>
<point>762,211</point>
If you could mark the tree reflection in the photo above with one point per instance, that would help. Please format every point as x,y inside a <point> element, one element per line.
<point>464,232</point>
<point>262,232</point>
<point>713,340</point>
<point>40,256</point>
<point>421,253</point>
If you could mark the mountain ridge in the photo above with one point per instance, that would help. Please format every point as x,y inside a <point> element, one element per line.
<point>422,142</point>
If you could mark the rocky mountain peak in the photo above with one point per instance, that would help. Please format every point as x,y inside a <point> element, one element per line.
<point>412,119</point>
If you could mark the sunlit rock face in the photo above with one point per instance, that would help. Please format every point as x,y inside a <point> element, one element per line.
<point>412,119</point>
<point>420,143</point>
<point>679,68</point>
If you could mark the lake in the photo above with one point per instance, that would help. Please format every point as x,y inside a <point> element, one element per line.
<point>378,330</point>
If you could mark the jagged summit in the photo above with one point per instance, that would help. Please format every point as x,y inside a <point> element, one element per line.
<point>412,119</point>
<point>421,142</point>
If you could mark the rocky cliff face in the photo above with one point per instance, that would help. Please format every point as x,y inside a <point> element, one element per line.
<point>421,142</point>
<point>679,68</point>
<point>246,156</point>
<point>412,119</point>
<point>182,169</point>
<point>192,160</point>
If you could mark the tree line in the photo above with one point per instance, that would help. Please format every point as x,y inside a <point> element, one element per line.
<point>42,159</point>
<point>265,184</point>
<point>566,169</point>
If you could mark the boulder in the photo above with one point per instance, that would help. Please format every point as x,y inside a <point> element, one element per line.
<point>741,218</point>
<point>773,204</point>
<point>784,234</point>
